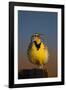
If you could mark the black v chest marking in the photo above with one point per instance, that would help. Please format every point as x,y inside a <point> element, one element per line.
<point>37,45</point>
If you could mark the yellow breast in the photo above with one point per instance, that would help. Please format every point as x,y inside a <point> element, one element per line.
<point>38,56</point>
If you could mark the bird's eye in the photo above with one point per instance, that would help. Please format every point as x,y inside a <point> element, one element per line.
<point>36,35</point>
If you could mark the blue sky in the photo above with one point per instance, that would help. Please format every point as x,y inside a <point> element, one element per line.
<point>30,22</point>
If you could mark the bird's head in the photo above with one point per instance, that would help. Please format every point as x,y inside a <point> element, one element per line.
<point>36,37</point>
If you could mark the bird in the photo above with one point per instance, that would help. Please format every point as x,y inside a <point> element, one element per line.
<point>37,51</point>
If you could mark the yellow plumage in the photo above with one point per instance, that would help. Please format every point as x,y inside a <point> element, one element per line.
<point>39,55</point>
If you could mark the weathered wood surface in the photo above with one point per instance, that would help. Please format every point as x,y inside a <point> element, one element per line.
<point>32,73</point>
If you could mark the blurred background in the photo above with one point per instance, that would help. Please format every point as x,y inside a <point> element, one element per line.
<point>30,22</point>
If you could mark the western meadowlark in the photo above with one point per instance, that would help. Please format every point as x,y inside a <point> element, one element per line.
<point>37,51</point>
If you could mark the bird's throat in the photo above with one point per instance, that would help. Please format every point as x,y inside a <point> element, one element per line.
<point>37,45</point>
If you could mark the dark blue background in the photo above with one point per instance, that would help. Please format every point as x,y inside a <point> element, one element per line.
<point>30,22</point>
